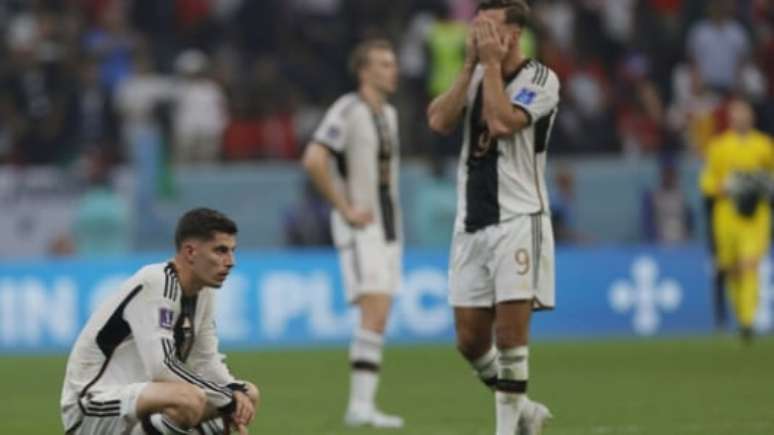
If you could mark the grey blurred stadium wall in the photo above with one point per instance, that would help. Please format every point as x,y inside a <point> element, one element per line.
<point>38,207</point>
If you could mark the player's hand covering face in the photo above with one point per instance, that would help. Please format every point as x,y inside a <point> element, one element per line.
<point>213,259</point>
<point>493,36</point>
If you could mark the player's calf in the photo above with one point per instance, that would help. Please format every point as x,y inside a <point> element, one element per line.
<point>474,342</point>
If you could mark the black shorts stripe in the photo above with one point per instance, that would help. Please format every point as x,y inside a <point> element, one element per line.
<point>107,413</point>
<point>538,249</point>
<point>105,403</point>
<point>102,408</point>
<point>71,430</point>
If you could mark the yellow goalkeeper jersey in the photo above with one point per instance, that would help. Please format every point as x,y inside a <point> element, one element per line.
<point>730,153</point>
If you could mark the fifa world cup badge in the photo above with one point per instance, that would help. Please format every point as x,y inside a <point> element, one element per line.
<point>166,318</point>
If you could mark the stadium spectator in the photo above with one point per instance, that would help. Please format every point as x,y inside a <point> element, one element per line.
<point>641,120</point>
<point>563,209</point>
<point>308,221</point>
<point>90,114</point>
<point>111,40</point>
<point>102,222</point>
<point>718,46</point>
<point>666,214</point>
<point>242,138</point>
<point>199,116</point>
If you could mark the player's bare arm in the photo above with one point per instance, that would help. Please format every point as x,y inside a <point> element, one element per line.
<point>501,117</point>
<point>445,111</point>
<point>316,161</point>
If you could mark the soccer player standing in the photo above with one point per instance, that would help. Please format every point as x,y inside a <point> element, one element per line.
<point>502,254</point>
<point>360,131</point>
<point>147,361</point>
<point>739,166</point>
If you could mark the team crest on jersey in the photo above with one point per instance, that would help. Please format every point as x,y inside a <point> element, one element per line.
<point>166,318</point>
<point>333,132</point>
<point>525,97</point>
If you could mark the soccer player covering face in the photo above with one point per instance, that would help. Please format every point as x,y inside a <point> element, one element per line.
<point>147,361</point>
<point>353,161</point>
<point>502,254</point>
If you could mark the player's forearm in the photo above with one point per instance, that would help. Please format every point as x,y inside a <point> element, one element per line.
<point>317,166</point>
<point>170,369</point>
<point>500,116</point>
<point>444,111</point>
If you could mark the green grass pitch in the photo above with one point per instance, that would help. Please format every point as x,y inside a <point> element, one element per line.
<point>663,387</point>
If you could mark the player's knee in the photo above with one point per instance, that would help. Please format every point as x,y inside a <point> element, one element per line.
<point>190,405</point>
<point>507,337</point>
<point>470,345</point>
<point>375,323</point>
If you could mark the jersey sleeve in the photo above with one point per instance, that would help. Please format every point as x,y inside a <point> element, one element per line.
<point>151,317</point>
<point>205,357</point>
<point>536,93</point>
<point>332,131</point>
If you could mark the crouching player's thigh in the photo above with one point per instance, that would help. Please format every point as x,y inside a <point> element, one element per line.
<point>116,409</point>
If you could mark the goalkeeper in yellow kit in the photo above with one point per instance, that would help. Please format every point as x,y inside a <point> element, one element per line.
<point>738,176</point>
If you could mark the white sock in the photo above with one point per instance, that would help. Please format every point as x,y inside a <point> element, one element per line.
<point>511,388</point>
<point>486,368</point>
<point>365,355</point>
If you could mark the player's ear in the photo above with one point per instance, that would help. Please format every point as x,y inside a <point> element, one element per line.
<point>188,250</point>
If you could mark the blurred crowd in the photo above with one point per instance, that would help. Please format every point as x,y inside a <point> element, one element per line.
<point>209,80</point>
<point>156,84</point>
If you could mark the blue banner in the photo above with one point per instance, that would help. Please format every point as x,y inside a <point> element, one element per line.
<point>294,298</point>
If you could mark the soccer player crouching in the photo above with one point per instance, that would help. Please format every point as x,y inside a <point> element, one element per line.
<point>147,361</point>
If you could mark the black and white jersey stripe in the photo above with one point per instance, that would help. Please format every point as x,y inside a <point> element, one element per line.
<point>171,284</point>
<point>175,366</point>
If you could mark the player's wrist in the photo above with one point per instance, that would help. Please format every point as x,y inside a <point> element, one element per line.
<point>229,408</point>
<point>492,64</point>
<point>237,387</point>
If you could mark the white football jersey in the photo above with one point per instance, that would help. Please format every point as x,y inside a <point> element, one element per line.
<point>147,332</point>
<point>499,179</point>
<point>366,145</point>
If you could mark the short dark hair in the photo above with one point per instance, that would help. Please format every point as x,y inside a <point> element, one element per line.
<point>359,58</point>
<point>202,223</point>
<point>516,11</point>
